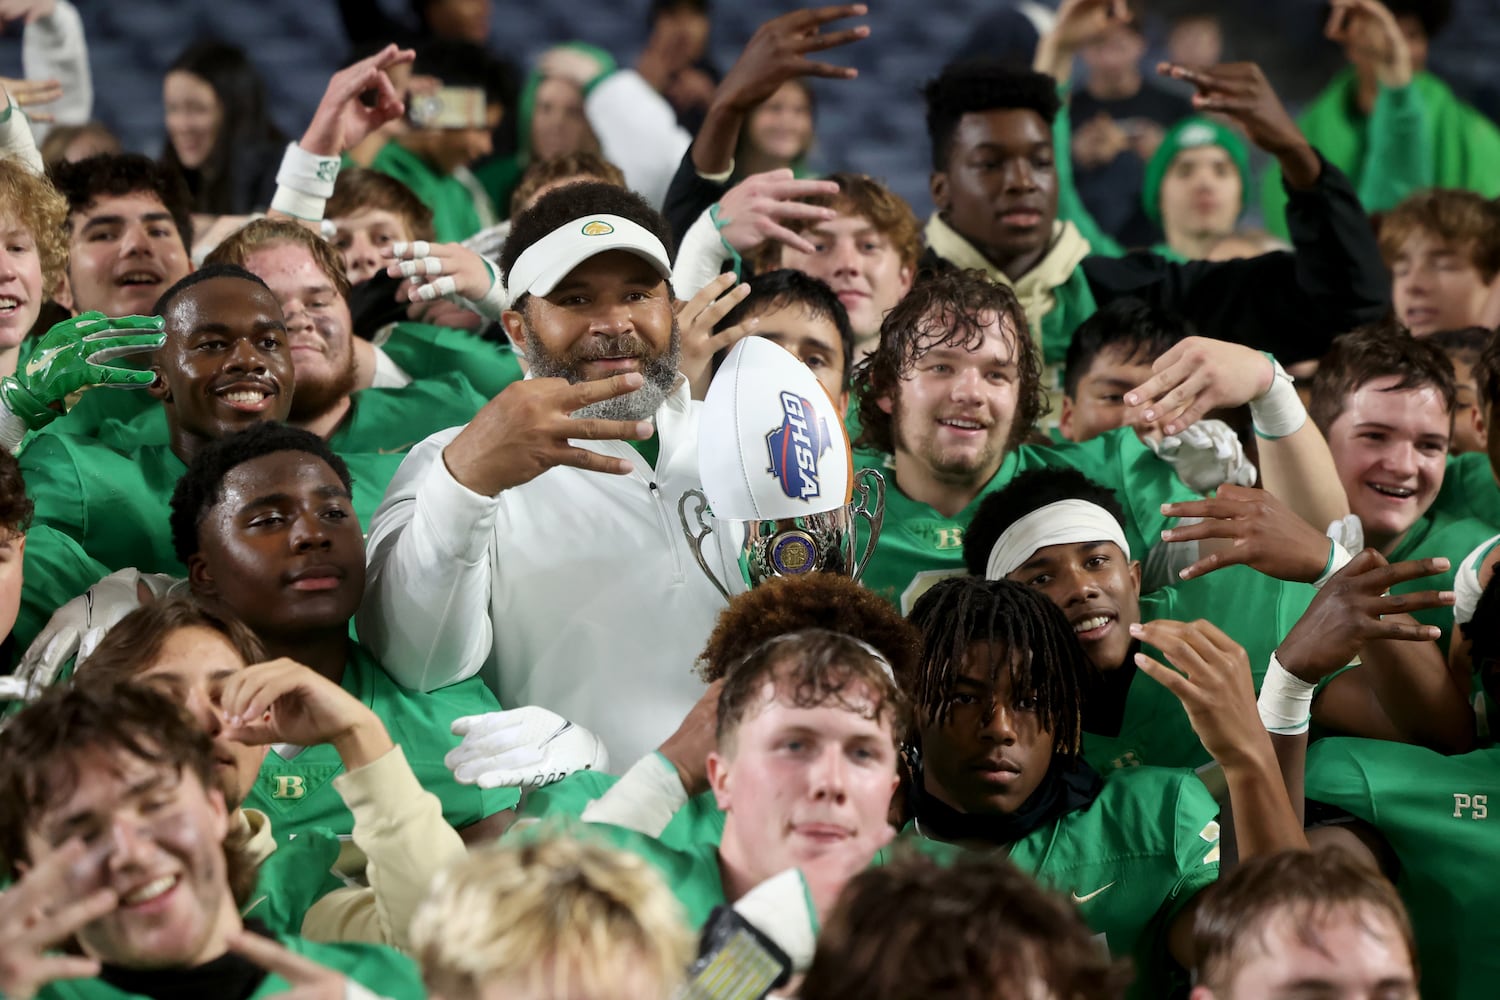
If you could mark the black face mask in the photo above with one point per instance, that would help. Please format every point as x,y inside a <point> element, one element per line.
<point>1070,784</point>
<point>373,305</point>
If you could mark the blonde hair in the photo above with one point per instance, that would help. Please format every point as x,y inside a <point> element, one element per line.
<point>40,209</point>
<point>260,234</point>
<point>565,916</point>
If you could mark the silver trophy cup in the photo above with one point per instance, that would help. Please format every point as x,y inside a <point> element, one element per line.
<point>822,542</point>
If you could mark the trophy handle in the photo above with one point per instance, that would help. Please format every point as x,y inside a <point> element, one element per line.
<point>869,504</point>
<point>697,537</point>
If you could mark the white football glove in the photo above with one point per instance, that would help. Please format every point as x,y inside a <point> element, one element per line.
<point>74,629</point>
<point>522,748</point>
<point>1205,456</point>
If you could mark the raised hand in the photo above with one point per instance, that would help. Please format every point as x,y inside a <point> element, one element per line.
<point>29,93</point>
<point>752,212</point>
<point>1078,23</point>
<point>696,319</point>
<point>522,748</point>
<point>1197,375</point>
<point>28,11</point>
<point>433,270</point>
<point>1370,32</point>
<point>1266,535</point>
<point>40,912</point>
<point>525,431</point>
<point>1212,680</point>
<point>1241,92</point>
<point>359,99</point>
<point>282,701</point>
<point>779,51</point>
<point>1350,611</point>
<point>308,980</point>
<point>697,736</point>
<point>74,354</point>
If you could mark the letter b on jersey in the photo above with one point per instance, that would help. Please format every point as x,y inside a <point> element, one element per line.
<point>290,786</point>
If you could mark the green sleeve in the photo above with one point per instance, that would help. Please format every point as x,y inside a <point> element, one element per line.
<point>1196,840</point>
<point>1397,161</point>
<point>1336,775</point>
<point>55,485</point>
<point>383,971</point>
<point>567,798</point>
<point>1070,207</point>
<point>55,570</point>
<point>295,876</point>
<point>424,351</point>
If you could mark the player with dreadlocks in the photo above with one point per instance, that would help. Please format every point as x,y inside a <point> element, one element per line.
<point>998,697</point>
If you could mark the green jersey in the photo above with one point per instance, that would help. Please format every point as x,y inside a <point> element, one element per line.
<point>919,546</point>
<point>1436,534</point>
<point>1469,490</point>
<point>384,971</point>
<point>699,821</point>
<point>1251,608</point>
<point>295,785</point>
<point>424,351</point>
<point>1433,811</point>
<point>55,569</point>
<point>294,877</point>
<point>458,209</point>
<point>1131,860</point>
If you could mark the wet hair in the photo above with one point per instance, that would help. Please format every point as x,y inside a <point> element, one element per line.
<point>16,507</point>
<point>945,309</point>
<point>198,491</point>
<point>978,85</point>
<point>810,668</point>
<point>1381,350</point>
<point>1465,344</point>
<point>786,287</point>
<point>1467,222</point>
<point>888,213</point>
<point>207,272</point>
<point>1310,887</point>
<point>244,121</point>
<point>785,604</point>
<point>1029,491</point>
<point>116,175</point>
<point>134,643</point>
<point>360,189</point>
<point>42,749</point>
<point>1036,645</point>
<point>976,929</point>
<point>1139,333</point>
<point>262,234</point>
<point>583,164</point>
<point>31,203</point>
<point>572,203</point>
<point>1433,15</point>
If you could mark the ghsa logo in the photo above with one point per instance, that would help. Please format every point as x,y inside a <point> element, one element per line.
<point>796,446</point>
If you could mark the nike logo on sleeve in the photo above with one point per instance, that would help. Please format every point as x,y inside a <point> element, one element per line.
<point>1080,900</point>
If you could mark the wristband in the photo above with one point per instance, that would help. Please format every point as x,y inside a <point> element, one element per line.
<point>304,183</point>
<point>1279,412</point>
<point>1285,701</point>
<point>1338,558</point>
<point>734,255</point>
<point>25,405</point>
<point>495,300</point>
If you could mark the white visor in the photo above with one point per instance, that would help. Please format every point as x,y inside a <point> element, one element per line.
<point>1066,522</point>
<point>547,261</point>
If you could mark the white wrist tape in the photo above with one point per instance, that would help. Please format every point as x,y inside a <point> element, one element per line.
<point>644,799</point>
<point>1285,701</point>
<point>493,302</point>
<point>1466,588</point>
<point>1279,413</point>
<point>1338,558</point>
<point>780,909</point>
<point>304,183</point>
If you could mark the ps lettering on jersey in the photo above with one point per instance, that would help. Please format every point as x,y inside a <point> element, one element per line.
<point>1470,806</point>
<point>796,446</point>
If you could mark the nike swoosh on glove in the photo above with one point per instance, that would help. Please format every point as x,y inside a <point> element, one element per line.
<point>522,748</point>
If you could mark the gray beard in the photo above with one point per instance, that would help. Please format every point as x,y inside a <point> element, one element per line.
<point>660,373</point>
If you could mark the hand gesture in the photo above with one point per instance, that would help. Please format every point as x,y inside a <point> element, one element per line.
<point>1212,680</point>
<point>359,99</point>
<point>74,354</point>
<point>527,429</point>
<point>308,980</point>
<point>779,50</point>
<point>1195,376</point>
<point>25,10</point>
<point>1349,610</point>
<point>42,910</point>
<point>688,748</point>
<point>1240,91</point>
<point>29,93</point>
<point>696,319</point>
<point>1078,23</point>
<point>522,748</point>
<point>1098,141</point>
<point>74,630</point>
<point>1205,456</point>
<point>282,701</point>
<point>1367,29</point>
<point>752,211</point>
<point>433,270</point>
<point>1266,535</point>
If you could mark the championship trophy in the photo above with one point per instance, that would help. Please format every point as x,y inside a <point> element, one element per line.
<point>776,468</point>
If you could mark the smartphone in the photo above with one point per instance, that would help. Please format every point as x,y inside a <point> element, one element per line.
<point>447,108</point>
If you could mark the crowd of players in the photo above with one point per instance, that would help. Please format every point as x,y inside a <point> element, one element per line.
<point>1064,620</point>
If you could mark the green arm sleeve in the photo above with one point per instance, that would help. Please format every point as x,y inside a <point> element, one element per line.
<point>1070,207</point>
<point>1398,161</point>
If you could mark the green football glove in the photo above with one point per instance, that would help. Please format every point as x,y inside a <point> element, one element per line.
<point>73,355</point>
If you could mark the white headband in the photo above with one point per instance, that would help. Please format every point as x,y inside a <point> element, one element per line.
<point>547,261</point>
<point>1062,523</point>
